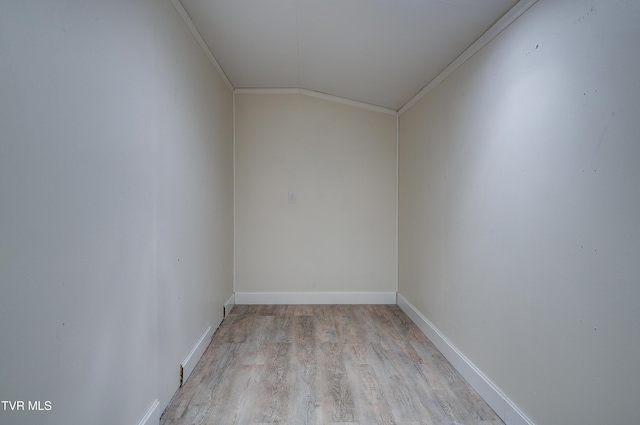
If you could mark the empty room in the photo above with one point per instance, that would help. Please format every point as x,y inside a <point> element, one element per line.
<point>319,212</point>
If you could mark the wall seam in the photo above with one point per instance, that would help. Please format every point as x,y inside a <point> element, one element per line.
<point>397,202</point>
<point>233,132</point>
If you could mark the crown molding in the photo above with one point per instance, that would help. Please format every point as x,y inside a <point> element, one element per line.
<point>196,34</point>
<point>317,94</point>
<point>507,19</point>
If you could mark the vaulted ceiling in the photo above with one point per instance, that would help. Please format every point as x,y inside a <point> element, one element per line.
<point>380,52</point>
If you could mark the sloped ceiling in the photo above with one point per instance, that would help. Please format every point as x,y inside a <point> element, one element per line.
<point>380,52</point>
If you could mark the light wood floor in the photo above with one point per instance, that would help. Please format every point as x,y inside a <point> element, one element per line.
<point>321,364</point>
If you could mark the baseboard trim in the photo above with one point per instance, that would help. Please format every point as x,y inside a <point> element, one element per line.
<point>191,359</point>
<point>499,402</point>
<point>229,304</point>
<point>152,417</point>
<point>315,298</point>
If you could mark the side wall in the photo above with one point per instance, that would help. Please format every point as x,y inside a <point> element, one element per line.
<point>116,206</point>
<point>519,223</point>
<point>340,161</point>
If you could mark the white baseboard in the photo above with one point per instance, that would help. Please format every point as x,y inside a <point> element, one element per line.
<point>499,402</point>
<point>152,417</point>
<point>229,304</point>
<point>315,297</point>
<point>191,359</point>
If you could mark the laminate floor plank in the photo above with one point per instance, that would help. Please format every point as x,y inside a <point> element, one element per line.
<point>338,406</point>
<point>324,364</point>
<point>324,324</point>
<point>272,403</point>
<point>404,405</point>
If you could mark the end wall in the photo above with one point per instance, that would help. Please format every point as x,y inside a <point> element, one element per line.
<point>340,161</point>
<point>519,211</point>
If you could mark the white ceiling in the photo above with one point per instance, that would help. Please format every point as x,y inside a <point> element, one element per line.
<point>380,52</point>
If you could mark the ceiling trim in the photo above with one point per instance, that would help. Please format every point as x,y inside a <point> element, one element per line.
<point>257,90</point>
<point>196,34</point>
<point>514,13</point>
<point>319,95</point>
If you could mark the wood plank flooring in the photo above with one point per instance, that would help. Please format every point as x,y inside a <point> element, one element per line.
<point>324,364</point>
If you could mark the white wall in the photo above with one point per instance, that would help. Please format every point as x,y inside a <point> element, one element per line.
<point>116,206</point>
<point>340,161</point>
<point>519,211</point>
